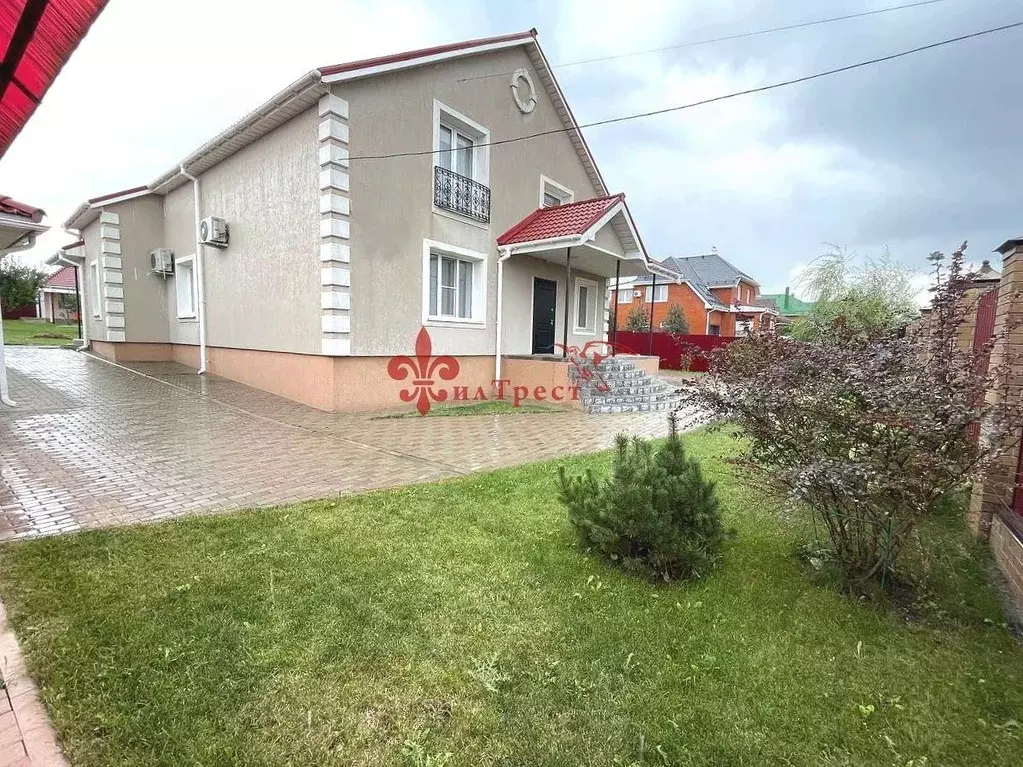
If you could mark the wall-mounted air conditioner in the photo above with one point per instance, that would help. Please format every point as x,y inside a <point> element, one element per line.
<point>213,231</point>
<point>161,261</point>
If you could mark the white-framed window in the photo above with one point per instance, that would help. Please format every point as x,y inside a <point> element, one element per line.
<point>97,288</point>
<point>454,285</point>
<point>625,295</point>
<point>553,194</point>
<point>460,144</point>
<point>660,293</point>
<point>184,287</point>
<point>585,310</point>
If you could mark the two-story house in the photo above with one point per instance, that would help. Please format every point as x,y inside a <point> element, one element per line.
<point>301,249</point>
<point>716,298</point>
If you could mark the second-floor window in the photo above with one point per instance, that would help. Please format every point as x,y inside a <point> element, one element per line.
<point>456,151</point>
<point>461,169</point>
<point>625,296</point>
<point>660,293</point>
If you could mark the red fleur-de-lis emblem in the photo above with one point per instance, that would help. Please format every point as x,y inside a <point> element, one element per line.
<point>423,368</point>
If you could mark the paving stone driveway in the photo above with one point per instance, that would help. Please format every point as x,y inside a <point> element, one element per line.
<point>92,444</point>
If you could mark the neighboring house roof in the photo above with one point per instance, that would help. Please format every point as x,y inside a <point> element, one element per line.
<point>987,274</point>
<point>62,279</point>
<point>573,218</point>
<point>307,90</point>
<point>12,207</point>
<point>37,40</point>
<point>702,273</point>
<point>787,304</point>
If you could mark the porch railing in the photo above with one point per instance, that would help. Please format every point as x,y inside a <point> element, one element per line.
<point>460,194</point>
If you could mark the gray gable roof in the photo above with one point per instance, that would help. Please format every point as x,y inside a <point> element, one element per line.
<point>703,273</point>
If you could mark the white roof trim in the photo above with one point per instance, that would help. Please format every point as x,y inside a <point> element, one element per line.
<point>19,222</point>
<point>379,69</point>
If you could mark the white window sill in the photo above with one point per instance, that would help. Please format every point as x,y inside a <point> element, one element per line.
<point>449,322</point>
<point>584,332</point>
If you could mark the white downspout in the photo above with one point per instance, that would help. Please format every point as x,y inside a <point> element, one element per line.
<point>4,398</point>
<point>200,269</point>
<point>500,308</point>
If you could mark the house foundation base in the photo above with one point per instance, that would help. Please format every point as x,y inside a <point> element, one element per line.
<point>361,384</point>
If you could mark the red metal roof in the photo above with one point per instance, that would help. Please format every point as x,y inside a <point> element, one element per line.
<point>15,208</point>
<point>560,221</point>
<point>37,38</point>
<point>62,278</point>
<point>394,58</point>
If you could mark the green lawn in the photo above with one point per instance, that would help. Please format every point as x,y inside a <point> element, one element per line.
<point>461,617</point>
<point>490,407</point>
<point>20,332</point>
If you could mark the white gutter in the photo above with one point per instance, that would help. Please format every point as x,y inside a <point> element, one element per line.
<point>200,269</point>
<point>500,308</point>
<point>4,397</point>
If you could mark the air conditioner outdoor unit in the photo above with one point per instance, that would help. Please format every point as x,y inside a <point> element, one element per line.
<point>637,293</point>
<point>213,231</point>
<point>162,261</point>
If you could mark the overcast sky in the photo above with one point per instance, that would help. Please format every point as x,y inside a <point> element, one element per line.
<point>916,154</point>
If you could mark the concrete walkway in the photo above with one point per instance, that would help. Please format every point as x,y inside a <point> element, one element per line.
<point>94,445</point>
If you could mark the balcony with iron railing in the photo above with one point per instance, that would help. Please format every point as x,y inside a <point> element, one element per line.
<point>461,195</point>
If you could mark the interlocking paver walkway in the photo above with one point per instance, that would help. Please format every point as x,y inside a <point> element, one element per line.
<point>92,444</point>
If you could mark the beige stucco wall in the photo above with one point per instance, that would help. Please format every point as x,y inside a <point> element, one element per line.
<point>263,290</point>
<point>144,292</point>
<point>392,208</point>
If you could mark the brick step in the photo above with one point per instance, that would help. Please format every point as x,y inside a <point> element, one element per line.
<point>621,391</point>
<point>611,375</point>
<point>642,407</point>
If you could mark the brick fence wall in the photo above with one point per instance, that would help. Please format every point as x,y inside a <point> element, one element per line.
<point>991,511</point>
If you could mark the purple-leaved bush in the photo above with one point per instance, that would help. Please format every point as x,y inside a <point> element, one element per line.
<point>866,428</point>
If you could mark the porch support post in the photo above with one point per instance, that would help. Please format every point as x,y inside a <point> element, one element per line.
<point>614,318</point>
<point>568,303</point>
<point>650,330</point>
<point>500,311</point>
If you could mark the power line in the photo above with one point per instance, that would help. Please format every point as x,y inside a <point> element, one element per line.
<point>712,100</point>
<point>739,36</point>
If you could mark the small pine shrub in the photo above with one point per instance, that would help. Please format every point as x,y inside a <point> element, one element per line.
<point>638,320</point>
<point>655,515</point>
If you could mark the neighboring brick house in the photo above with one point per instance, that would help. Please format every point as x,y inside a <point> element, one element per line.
<point>716,298</point>
<point>362,203</point>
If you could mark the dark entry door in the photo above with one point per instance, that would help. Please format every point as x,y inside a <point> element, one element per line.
<point>545,301</point>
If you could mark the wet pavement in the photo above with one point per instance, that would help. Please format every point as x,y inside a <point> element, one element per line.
<point>92,444</point>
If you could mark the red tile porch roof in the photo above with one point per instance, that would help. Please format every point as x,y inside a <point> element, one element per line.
<point>62,278</point>
<point>573,218</point>
<point>20,209</point>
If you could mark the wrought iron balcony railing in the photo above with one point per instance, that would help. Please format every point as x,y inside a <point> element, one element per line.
<point>461,195</point>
